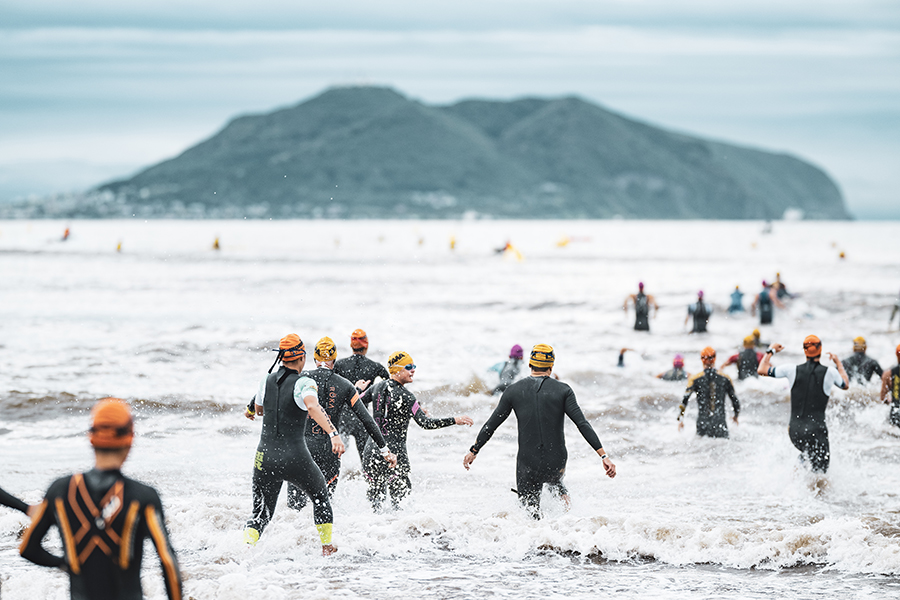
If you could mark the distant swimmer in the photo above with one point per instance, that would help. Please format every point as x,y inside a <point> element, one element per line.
<point>7,499</point>
<point>810,387</point>
<point>392,407</point>
<point>540,403</point>
<point>642,303</point>
<point>103,519</point>
<point>700,311</point>
<point>766,302</point>
<point>216,245</point>
<point>361,371</point>
<point>781,290</point>
<point>757,340</point>
<point>66,234</point>
<point>860,367</point>
<point>677,372</point>
<point>711,388</point>
<point>737,301</point>
<point>747,360</point>
<point>621,362</point>
<point>284,400</point>
<point>890,390</point>
<point>335,395</point>
<point>509,370</point>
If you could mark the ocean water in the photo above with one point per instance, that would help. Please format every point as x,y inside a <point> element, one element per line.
<point>182,331</point>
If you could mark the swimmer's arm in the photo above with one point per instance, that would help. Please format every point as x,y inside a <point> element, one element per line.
<point>651,300</point>
<point>878,369</point>
<point>319,416</point>
<point>764,364</point>
<point>735,403</point>
<point>425,422</point>
<point>886,387</point>
<point>7,499</point>
<point>608,464</point>
<point>31,547</point>
<point>156,525</point>
<point>840,368</point>
<point>500,414</point>
<point>573,411</point>
<point>359,409</point>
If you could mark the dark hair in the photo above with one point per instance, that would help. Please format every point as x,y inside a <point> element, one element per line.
<point>536,370</point>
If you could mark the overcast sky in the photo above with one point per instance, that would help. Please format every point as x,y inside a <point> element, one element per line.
<point>97,89</point>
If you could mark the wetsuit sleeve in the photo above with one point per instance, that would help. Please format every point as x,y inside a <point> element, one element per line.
<point>261,392</point>
<point>383,372</point>
<point>735,403</point>
<point>302,388</point>
<point>788,372</point>
<point>877,368</point>
<point>574,413</point>
<point>426,422</point>
<point>368,422</point>
<point>32,548</point>
<point>500,414</point>
<point>157,526</point>
<point>7,499</point>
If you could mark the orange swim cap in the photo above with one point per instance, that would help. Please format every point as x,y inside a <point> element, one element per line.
<point>812,346</point>
<point>707,353</point>
<point>898,350</point>
<point>291,347</point>
<point>358,339</point>
<point>112,427</point>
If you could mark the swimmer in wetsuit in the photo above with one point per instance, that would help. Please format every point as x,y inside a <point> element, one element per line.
<point>701,312</point>
<point>747,360</point>
<point>859,366</point>
<point>766,302</point>
<point>711,388</point>
<point>642,303</point>
<point>737,299</point>
<point>757,340</point>
<point>890,390</point>
<point>103,519</point>
<point>810,385</point>
<point>284,399</point>
<point>677,372</point>
<point>894,312</point>
<point>361,371</point>
<point>541,403</point>
<point>335,395</point>
<point>509,371</point>
<point>392,407</point>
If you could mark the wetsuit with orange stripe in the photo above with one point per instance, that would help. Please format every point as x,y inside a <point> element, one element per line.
<point>103,519</point>
<point>335,394</point>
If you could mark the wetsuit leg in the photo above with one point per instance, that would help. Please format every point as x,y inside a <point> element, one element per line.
<point>377,474</point>
<point>399,486</point>
<point>895,414</point>
<point>266,487</point>
<point>529,486</point>
<point>327,462</point>
<point>305,475</point>
<point>812,441</point>
<point>712,429</point>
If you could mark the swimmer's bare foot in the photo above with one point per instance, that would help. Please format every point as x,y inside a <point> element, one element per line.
<point>328,549</point>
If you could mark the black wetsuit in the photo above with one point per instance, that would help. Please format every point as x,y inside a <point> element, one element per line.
<point>894,384</point>
<point>701,313</point>
<point>766,308</point>
<point>860,367</point>
<point>711,388</point>
<point>353,368</point>
<point>103,519</point>
<point>541,405</point>
<point>335,395</point>
<point>641,312</point>
<point>508,374</point>
<point>282,454</point>
<point>807,429</point>
<point>392,407</point>
<point>674,374</point>
<point>748,363</point>
<point>7,499</point>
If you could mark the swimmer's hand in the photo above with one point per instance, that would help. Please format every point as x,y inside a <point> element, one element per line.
<point>337,445</point>
<point>735,420</point>
<point>834,358</point>
<point>362,384</point>
<point>249,413</point>
<point>610,467</point>
<point>468,459</point>
<point>680,425</point>
<point>391,459</point>
<point>776,348</point>
<point>465,420</point>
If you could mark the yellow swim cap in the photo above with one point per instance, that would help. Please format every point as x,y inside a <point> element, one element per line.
<point>398,361</point>
<point>325,350</point>
<point>542,357</point>
<point>859,344</point>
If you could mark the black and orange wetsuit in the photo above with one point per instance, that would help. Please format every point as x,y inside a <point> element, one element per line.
<point>711,388</point>
<point>7,499</point>
<point>392,408</point>
<point>353,368</point>
<point>541,405</point>
<point>335,394</point>
<point>894,384</point>
<point>103,519</point>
